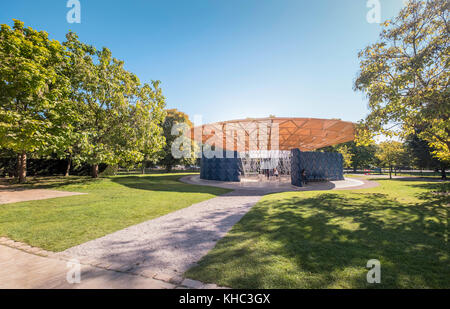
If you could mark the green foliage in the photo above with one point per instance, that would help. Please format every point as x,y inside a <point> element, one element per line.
<point>346,155</point>
<point>74,101</point>
<point>406,77</point>
<point>356,156</point>
<point>391,154</point>
<point>168,160</point>
<point>363,155</point>
<point>421,154</point>
<point>35,113</point>
<point>32,90</point>
<point>120,118</point>
<point>110,170</point>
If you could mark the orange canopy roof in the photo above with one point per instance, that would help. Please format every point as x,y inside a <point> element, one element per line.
<point>307,134</point>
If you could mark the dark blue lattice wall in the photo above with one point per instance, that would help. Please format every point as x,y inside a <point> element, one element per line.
<point>318,165</point>
<point>296,169</point>
<point>222,169</point>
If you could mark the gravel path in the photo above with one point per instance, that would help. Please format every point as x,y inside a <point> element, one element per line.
<point>170,244</point>
<point>23,270</point>
<point>279,186</point>
<point>365,184</point>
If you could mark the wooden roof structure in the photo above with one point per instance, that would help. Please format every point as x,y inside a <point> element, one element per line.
<point>254,134</point>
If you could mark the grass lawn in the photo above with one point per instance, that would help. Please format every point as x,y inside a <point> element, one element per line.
<point>324,240</point>
<point>110,205</point>
<point>430,175</point>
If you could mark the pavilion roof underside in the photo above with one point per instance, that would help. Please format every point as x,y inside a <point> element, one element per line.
<point>307,134</point>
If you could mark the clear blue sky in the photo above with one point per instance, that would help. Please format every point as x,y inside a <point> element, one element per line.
<point>229,59</point>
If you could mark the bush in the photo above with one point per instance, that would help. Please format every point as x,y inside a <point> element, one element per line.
<point>45,167</point>
<point>109,171</point>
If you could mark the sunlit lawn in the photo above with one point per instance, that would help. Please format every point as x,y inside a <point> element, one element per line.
<point>324,240</point>
<point>110,205</point>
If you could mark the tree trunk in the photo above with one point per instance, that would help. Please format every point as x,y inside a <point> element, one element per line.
<point>390,172</point>
<point>168,168</point>
<point>444,175</point>
<point>69,163</point>
<point>18,165</point>
<point>95,171</point>
<point>22,168</point>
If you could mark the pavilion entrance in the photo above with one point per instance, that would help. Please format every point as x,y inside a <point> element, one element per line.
<point>265,165</point>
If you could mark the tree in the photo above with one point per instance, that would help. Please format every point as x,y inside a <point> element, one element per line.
<point>79,70</point>
<point>363,155</point>
<point>168,160</point>
<point>149,131</point>
<point>346,155</point>
<point>406,77</point>
<point>35,114</point>
<point>422,156</point>
<point>356,156</point>
<point>391,154</point>
<point>120,118</point>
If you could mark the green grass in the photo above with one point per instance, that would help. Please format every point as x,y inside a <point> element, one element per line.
<point>431,175</point>
<point>110,205</point>
<point>324,240</point>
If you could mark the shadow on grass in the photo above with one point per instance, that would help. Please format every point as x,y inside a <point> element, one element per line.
<point>407,178</point>
<point>51,182</point>
<point>434,190</point>
<point>326,241</point>
<point>169,183</point>
<point>154,182</point>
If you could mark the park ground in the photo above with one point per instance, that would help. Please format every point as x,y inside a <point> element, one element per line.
<point>110,204</point>
<point>313,239</point>
<point>325,239</point>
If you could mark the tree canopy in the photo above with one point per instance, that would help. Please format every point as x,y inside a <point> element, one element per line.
<point>391,154</point>
<point>74,101</point>
<point>406,77</point>
<point>120,117</point>
<point>172,134</point>
<point>354,155</point>
<point>35,114</point>
<point>421,155</point>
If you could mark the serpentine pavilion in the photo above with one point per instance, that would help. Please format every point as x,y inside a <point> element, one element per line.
<point>267,149</point>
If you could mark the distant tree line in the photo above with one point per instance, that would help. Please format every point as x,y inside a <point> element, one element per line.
<point>413,153</point>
